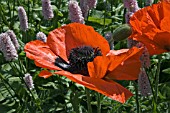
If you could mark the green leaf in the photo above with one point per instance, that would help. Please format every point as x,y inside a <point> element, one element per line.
<point>167,71</point>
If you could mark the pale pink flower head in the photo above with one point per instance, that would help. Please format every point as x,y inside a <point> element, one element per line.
<point>92,3</point>
<point>145,57</point>
<point>41,36</point>
<point>75,13</point>
<point>22,18</point>
<point>144,84</point>
<point>47,9</point>
<point>28,80</point>
<point>131,5</point>
<point>131,43</point>
<point>7,47</point>
<point>13,39</point>
<point>84,8</point>
<point>127,16</point>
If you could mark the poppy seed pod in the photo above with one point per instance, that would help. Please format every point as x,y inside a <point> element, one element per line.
<point>122,32</point>
<point>47,9</point>
<point>28,80</point>
<point>41,36</point>
<point>75,13</point>
<point>22,18</point>
<point>13,39</point>
<point>7,47</point>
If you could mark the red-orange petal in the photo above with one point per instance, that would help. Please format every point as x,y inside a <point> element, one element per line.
<point>98,67</point>
<point>149,22</point>
<point>41,54</point>
<point>45,74</point>
<point>108,88</point>
<point>56,42</point>
<point>79,34</point>
<point>125,66</point>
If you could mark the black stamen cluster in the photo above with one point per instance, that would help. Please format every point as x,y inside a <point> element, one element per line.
<point>78,58</point>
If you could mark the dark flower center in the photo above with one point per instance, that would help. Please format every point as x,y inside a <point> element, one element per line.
<point>78,59</point>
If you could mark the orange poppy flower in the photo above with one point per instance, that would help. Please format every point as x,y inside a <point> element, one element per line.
<point>82,55</point>
<point>151,27</point>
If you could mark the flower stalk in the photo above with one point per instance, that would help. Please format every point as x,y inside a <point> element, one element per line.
<point>88,100</point>
<point>136,97</point>
<point>155,98</point>
<point>98,103</point>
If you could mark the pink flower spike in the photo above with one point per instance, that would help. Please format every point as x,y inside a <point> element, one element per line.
<point>47,9</point>
<point>22,18</point>
<point>75,13</point>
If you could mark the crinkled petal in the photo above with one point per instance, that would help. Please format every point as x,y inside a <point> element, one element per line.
<point>99,67</point>
<point>79,34</point>
<point>125,66</point>
<point>108,88</point>
<point>149,22</point>
<point>41,54</point>
<point>56,42</point>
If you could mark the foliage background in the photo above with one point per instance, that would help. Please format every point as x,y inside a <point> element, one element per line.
<point>58,94</point>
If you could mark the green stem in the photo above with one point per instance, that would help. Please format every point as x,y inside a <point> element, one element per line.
<point>88,101</point>
<point>155,98</point>
<point>157,78</point>
<point>136,98</point>
<point>98,103</point>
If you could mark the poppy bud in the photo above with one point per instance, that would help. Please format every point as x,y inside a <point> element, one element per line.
<point>47,9</point>
<point>22,18</point>
<point>7,47</point>
<point>122,32</point>
<point>75,13</point>
<point>41,36</point>
<point>28,80</point>
<point>13,39</point>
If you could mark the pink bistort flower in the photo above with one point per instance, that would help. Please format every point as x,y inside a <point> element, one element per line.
<point>75,13</point>
<point>22,18</point>
<point>47,9</point>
